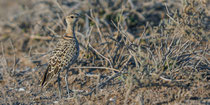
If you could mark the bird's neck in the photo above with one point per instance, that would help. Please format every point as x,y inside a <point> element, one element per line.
<point>70,31</point>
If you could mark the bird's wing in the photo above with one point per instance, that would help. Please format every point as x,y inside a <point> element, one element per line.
<point>53,68</point>
<point>55,63</point>
<point>61,57</point>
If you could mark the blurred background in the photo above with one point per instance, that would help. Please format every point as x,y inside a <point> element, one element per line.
<point>140,51</point>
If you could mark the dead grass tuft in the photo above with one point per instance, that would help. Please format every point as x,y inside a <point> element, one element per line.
<point>132,52</point>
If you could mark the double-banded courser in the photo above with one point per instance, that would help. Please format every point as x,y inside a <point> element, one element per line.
<point>64,55</point>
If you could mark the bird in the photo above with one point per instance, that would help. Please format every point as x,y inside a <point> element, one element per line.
<point>64,54</point>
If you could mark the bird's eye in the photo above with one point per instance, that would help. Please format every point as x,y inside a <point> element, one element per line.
<point>72,16</point>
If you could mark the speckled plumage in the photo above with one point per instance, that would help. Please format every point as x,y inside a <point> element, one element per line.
<point>65,53</point>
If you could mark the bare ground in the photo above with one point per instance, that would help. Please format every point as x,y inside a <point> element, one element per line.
<point>131,52</point>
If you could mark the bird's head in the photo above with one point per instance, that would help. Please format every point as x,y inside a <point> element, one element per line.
<point>72,18</point>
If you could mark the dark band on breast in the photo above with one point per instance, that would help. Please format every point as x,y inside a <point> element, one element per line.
<point>67,37</point>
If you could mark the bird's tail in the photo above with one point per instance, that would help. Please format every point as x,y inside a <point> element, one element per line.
<point>46,77</point>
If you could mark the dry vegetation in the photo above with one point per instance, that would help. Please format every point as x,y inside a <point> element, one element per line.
<point>132,51</point>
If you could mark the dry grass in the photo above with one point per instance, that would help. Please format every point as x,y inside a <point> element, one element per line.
<point>132,51</point>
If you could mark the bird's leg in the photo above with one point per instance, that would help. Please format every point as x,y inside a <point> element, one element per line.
<point>67,85</point>
<point>59,85</point>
